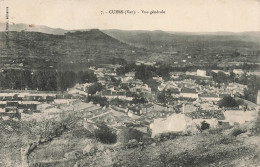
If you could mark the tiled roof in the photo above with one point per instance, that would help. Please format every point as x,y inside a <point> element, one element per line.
<point>186,90</point>
<point>208,95</point>
<point>106,92</point>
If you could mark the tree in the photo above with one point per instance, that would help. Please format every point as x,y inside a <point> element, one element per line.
<point>220,77</point>
<point>96,87</point>
<point>105,135</point>
<point>143,73</point>
<point>138,99</point>
<point>118,102</point>
<point>204,125</point>
<point>152,84</point>
<point>232,77</point>
<point>116,82</point>
<point>161,97</point>
<point>228,101</point>
<point>253,84</point>
<point>127,134</point>
<point>102,101</point>
<point>86,76</point>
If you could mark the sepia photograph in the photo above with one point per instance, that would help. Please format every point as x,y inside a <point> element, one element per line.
<point>130,83</point>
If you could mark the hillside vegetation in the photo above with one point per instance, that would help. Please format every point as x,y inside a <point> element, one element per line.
<point>39,50</point>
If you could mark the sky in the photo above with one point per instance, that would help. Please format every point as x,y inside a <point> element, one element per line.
<point>180,15</point>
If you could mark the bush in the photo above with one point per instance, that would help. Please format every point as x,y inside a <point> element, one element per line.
<point>102,101</point>
<point>228,101</point>
<point>204,125</point>
<point>218,130</point>
<point>237,132</point>
<point>128,134</point>
<point>255,130</point>
<point>226,140</point>
<point>51,128</point>
<point>105,135</point>
<point>82,133</point>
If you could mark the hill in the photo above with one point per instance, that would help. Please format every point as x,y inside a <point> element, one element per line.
<point>40,50</point>
<point>33,28</point>
<point>173,40</point>
<point>42,46</point>
<point>176,47</point>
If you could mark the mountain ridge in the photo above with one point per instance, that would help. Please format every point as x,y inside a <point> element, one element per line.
<point>37,48</point>
<point>60,31</point>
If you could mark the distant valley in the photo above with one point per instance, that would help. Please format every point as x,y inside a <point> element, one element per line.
<point>42,46</point>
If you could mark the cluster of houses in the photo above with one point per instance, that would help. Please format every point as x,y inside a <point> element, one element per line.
<point>192,104</point>
<point>130,83</point>
<point>15,102</point>
<point>204,105</point>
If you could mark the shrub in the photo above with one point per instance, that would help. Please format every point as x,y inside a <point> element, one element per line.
<point>255,130</point>
<point>226,140</point>
<point>105,135</point>
<point>204,125</point>
<point>82,133</point>
<point>237,132</point>
<point>102,101</point>
<point>128,134</point>
<point>228,101</point>
<point>51,128</point>
<point>218,130</point>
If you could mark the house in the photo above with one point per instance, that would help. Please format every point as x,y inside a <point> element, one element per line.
<point>239,116</point>
<point>146,108</point>
<point>126,79</point>
<point>191,73</point>
<point>238,72</point>
<point>99,74</point>
<point>101,69</point>
<point>142,129</point>
<point>189,107</point>
<point>28,106</point>
<point>201,73</point>
<point>113,94</point>
<point>189,93</point>
<point>173,123</point>
<point>149,63</point>
<point>209,97</point>
<point>30,95</point>
<point>175,92</point>
<point>63,101</point>
<point>140,88</point>
<point>257,73</point>
<point>161,87</point>
<point>170,84</point>
<point>156,114</point>
<point>216,71</point>
<point>130,74</point>
<point>138,63</point>
<point>158,79</point>
<point>11,107</point>
<point>133,115</point>
<point>176,75</point>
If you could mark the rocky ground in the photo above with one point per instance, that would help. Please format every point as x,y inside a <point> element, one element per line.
<point>234,146</point>
<point>226,146</point>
